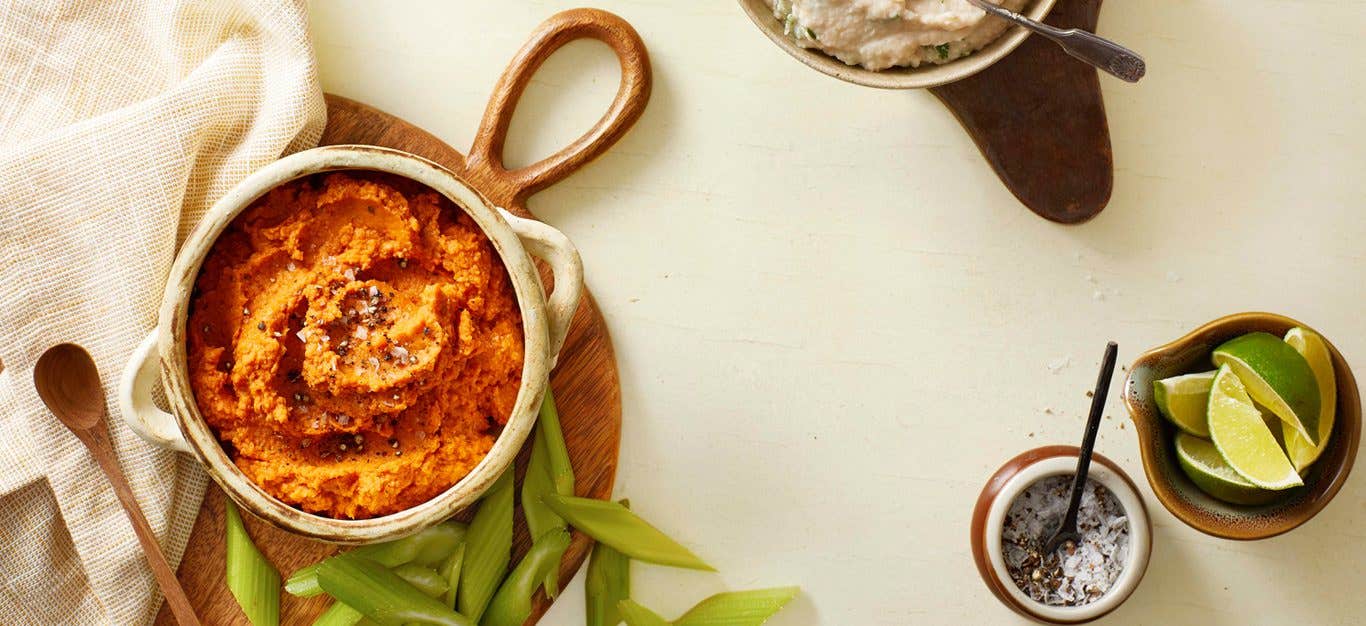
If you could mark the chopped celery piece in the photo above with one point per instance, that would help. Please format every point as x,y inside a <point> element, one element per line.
<point>488,548</point>
<point>451,570</point>
<point>539,518</point>
<point>428,547</point>
<point>636,615</point>
<point>304,582</point>
<point>615,525</point>
<point>536,483</point>
<point>738,608</point>
<point>607,583</point>
<point>251,578</point>
<point>561,471</point>
<point>339,615</point>
<point>424,578</point>
<point>512,604</point>
<point>381,595</point>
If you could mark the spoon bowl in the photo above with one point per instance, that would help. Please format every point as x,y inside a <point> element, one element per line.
<point>69,384</point>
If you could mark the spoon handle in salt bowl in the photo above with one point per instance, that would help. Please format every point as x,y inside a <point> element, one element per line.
<point>1088,441</point>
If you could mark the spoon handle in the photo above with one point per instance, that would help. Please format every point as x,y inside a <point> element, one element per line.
<point>1088,442</point>
<point>96,440</point>
<point>1118,61</point>
<point>1114,59</point>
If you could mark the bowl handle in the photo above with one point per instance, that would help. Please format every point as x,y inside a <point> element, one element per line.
<point>135,398</point>
<point>566,268</point>
<point>511,188</point>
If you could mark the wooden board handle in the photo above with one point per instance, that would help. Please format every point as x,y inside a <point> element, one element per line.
<point>484,164</point>
<point>1039,119</point>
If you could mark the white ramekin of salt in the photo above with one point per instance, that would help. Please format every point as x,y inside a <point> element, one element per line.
<point>1079,582</point>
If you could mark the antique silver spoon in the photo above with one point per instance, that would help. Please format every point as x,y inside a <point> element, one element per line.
<point>1121,62</point>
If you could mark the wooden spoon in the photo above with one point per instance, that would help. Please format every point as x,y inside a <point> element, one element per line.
<point>69,384</point>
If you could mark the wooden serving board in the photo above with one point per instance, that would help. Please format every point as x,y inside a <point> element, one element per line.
<point>585,381</point>
<point>1038,118</point>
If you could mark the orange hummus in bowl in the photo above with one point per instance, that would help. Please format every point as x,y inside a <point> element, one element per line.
<point>355,343</point>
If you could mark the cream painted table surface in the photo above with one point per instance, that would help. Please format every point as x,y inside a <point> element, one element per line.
<point>833,322</point>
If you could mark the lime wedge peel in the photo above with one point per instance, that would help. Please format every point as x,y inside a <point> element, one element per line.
<point>1309,344</point>
<point>1183,400</point>
<point>1207,469</point>
<point>1276,376</point>
<point>1243,439</point>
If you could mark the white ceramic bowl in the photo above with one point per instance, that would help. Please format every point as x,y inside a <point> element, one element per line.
<point>927,75</point>
<point>1008,483</point>
<point>545,321</point>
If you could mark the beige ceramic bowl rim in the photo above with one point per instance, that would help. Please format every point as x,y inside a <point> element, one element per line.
<point>538,357</point>
<point>1140,537</point>
<point>925,76</point>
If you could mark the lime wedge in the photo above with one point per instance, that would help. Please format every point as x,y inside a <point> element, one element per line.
<point>1302,452</point>
<point>1206,468</point>
<point>1183,400</point>
<point>1276,376</point>
<point>1243,439</point>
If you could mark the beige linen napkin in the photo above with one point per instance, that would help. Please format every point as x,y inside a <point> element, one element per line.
<point>120,123</point>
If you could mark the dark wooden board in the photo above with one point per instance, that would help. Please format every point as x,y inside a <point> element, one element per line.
<point>1038,118</point>
<point>585,381</point>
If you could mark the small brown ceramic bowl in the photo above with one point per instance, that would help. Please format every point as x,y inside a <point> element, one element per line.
<point>1156,435</point>
<point>927,75</point>
<point>988,520</point>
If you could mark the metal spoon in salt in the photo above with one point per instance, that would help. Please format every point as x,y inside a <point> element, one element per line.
<point>1118,61</point>
<point>1067,530</point>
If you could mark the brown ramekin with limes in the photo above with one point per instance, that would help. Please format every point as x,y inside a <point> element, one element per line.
<point>1222,500</point>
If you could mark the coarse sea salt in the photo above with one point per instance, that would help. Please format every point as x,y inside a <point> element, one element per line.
<point>1075,574</point>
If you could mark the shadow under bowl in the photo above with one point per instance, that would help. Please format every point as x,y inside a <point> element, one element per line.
<point>1156,436</point>
<point>927,75</point>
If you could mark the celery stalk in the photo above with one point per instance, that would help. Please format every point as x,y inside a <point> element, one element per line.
<point>561,471</point>
<point>304,582</point>
<point>636,615</point>
<point>251,578</point>
<point>606,583</point>
<point>428,547</point>
<point>381,595</point>
<point>339,615</point>
<point>738,608</point>
<point>426,579</point>
<point>451,570</point>
<point>539,518</point>
<point>512,604</point>
<point>536,483</point>
<point>488,548</point>
<point>615,525</point>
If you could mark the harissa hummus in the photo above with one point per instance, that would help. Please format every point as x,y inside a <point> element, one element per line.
<point>355,343</point>
<point>879,34</point>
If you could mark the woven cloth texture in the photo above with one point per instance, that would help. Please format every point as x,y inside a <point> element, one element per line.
<point>120,124</point>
